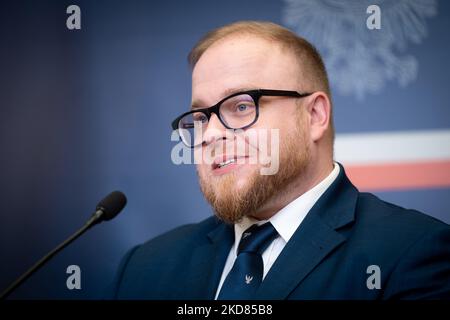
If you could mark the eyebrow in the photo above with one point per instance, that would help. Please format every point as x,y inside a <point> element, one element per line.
<point>196,104</point>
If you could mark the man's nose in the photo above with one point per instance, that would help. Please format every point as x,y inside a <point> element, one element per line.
<point>214,131</point>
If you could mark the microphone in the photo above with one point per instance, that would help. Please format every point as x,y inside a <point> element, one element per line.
<point>106,210</point>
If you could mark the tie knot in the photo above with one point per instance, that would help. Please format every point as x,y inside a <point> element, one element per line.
<point>256,238</point>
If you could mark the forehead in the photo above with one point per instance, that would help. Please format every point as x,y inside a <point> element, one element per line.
<point>247,62</point>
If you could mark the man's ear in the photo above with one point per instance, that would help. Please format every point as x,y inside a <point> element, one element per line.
<point>319,110</point>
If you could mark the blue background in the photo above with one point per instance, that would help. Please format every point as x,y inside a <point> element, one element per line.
<point>86,112</point>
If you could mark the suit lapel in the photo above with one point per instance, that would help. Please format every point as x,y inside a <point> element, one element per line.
<point>315,238</point>
<point>207,262</point>
<point>312,242</point>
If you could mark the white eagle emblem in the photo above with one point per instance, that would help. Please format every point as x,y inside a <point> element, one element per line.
<point>359,60</point>
<point>246,234</point>
<point>248,279</point>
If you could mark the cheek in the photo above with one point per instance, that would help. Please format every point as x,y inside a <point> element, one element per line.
<point>203,158</point>
<point>269,119</point>
<point>279,116</point>
<point>199,161</point>
<point>202,169</point>
<point>278,126</point>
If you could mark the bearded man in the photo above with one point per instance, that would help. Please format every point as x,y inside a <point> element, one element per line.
<point>301,231</point>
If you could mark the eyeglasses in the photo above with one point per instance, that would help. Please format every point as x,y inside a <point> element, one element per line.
<point>237,111</point>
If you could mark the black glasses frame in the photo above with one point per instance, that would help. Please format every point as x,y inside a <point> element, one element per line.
<point>255,94</point>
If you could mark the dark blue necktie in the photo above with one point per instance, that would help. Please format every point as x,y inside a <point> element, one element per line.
<point>247,272</point>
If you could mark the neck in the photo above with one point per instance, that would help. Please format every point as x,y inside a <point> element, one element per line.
<point>312,176</point>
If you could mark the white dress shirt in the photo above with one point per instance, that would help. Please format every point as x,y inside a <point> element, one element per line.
<point>285,221</point>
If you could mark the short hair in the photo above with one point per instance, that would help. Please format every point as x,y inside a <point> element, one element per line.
<point>307,55</point>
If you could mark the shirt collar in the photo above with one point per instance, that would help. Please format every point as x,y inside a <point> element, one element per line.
<point>288,219</point>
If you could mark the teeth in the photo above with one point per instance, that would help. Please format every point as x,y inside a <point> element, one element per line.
<point>222,164</point>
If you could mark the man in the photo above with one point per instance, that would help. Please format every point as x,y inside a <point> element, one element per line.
<point>303,232</point>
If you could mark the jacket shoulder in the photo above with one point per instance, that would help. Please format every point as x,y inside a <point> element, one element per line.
<point>181,237</point>
<point>386,231</point>
<point>372,209</point>
<point>159,258</point>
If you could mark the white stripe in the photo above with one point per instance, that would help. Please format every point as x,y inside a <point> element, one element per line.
<point>392,147</point>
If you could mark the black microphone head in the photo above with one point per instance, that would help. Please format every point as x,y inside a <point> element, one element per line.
<point>112,204</point>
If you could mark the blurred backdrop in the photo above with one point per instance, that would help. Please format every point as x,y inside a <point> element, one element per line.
<point>84,112</point>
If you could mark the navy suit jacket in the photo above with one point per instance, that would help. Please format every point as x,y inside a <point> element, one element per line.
<point>327,257</point>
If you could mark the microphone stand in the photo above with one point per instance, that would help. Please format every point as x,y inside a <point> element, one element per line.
<point>96,218</point>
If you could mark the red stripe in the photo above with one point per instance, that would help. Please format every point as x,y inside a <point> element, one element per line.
<point>390,176</point>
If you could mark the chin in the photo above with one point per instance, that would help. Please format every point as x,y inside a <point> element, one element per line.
<point>241,183</point>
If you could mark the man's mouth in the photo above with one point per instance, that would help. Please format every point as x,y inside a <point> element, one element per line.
<point>224,164</point>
